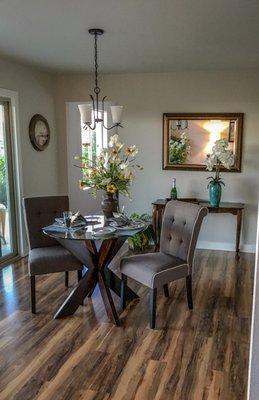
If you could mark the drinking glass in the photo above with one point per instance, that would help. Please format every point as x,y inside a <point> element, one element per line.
<point>67,217</point>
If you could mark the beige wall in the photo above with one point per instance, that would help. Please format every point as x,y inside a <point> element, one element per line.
<point>68,88</point>
<point>35,91</point>
<point>146,97</point>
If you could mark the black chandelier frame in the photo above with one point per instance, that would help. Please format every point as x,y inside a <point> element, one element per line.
<point>95,98</point>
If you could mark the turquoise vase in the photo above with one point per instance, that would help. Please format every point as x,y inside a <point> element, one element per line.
<point>215,193</point>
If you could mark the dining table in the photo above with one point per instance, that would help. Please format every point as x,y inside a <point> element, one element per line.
<point>95,250</point>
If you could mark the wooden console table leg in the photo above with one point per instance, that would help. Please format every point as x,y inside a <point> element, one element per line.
<point>238,231</point>
<point>155,226</point>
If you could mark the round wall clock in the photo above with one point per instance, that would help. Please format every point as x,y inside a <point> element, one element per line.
<point>39,132</point>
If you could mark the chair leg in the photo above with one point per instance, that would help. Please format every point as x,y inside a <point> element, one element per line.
<point>123,291</point>
<point>189,291</point>
<point>152,308</point>
<point>33,295</point>
<point>79,275</point>
<point>66,278</point>
<point>166,290</point>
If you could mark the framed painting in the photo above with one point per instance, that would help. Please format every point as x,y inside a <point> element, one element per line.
<point>188,138</point>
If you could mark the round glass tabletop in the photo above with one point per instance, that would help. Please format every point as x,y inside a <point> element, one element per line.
<point>97,228</point>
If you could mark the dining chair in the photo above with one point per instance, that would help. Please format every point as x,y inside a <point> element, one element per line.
<point>46,255</point>
<point>180,230</point>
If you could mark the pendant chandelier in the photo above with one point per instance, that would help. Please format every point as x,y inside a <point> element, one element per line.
<point>91,114</point>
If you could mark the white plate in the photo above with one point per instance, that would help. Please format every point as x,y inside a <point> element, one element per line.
<point>93,221</point>
<point>90,217</point>
<point>132,227</point>
<point>106,230</point>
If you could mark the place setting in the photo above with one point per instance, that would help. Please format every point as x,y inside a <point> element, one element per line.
<point>121,222</point>
<point>76,226</point>
<point>72,223</point>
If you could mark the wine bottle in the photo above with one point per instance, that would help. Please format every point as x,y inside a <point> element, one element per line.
<point>174,190</point>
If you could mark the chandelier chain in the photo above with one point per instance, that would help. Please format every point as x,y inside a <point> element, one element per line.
<point>97,115</point>
<point>97,89</point>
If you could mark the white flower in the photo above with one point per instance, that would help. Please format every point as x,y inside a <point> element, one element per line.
<point>114,142</point>
<point>131,151</point>
<point>113,139</point>
<point>227,159</point>
<point>220,155</point>
<point>123,165</point>
<point>210,162</point>
<point>220,146</point>
<point>129,175</point>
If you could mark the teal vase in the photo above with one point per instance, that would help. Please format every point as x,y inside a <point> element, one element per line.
<point>215,193</point>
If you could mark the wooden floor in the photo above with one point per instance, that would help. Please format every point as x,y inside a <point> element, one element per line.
<point>197,355</point>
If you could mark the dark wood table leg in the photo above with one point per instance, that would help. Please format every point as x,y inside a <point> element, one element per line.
<point>113,280</point>
<point>238,231</point>
<point>114,283</point>
<point>92,290</point>
<point>107,299</point>
<point>76,297</point>
<point>102,258</point>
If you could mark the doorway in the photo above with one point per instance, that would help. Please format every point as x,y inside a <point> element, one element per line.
<point>8,229</point>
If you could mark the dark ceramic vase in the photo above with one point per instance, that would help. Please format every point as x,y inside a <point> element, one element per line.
<point>109,205</point>
<point>215,193</point>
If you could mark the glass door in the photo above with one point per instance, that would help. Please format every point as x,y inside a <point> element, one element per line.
<point>8,231</point>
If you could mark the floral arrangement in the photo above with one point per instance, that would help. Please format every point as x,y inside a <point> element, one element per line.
<point>143,240</point>
<point>112,170</point>
<point>220,156</point>
<point>179,149</point>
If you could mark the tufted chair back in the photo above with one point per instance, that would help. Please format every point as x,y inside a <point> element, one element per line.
<point>40,212</point>
<point>180,229</point>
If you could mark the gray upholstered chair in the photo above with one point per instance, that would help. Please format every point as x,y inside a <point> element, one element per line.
<point>46,254</point>
<point>180,229</point>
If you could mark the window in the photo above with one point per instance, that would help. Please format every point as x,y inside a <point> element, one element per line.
<point>94,141</point>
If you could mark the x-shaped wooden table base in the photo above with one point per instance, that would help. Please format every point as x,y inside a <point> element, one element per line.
<point>99,274</point>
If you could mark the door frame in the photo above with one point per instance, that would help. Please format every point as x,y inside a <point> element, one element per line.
<point>6,104</point>
<point>253,370</point>
<point>12,97</point>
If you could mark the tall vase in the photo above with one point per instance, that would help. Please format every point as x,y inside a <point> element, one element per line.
<point>215,193</point>
<point>109,205</point>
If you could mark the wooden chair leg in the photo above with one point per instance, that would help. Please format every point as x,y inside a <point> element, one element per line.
<point>123,291</point>
<point>189,291</point>
<point>152,308</point>
<point>166,290</point>
<point>33,295</point>
<point>79,275</point>
<point>66,278</point>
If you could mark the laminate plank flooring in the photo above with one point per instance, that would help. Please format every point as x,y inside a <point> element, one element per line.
<point>192,355</point>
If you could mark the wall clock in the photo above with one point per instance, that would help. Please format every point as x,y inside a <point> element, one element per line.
<point>39,132</point>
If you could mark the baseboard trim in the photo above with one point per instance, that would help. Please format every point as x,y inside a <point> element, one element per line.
<point>246,248</point>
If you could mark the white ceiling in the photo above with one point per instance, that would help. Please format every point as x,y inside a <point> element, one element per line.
<point>141,35</point>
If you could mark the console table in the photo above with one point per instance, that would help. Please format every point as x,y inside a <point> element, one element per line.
<point>230,208</point>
